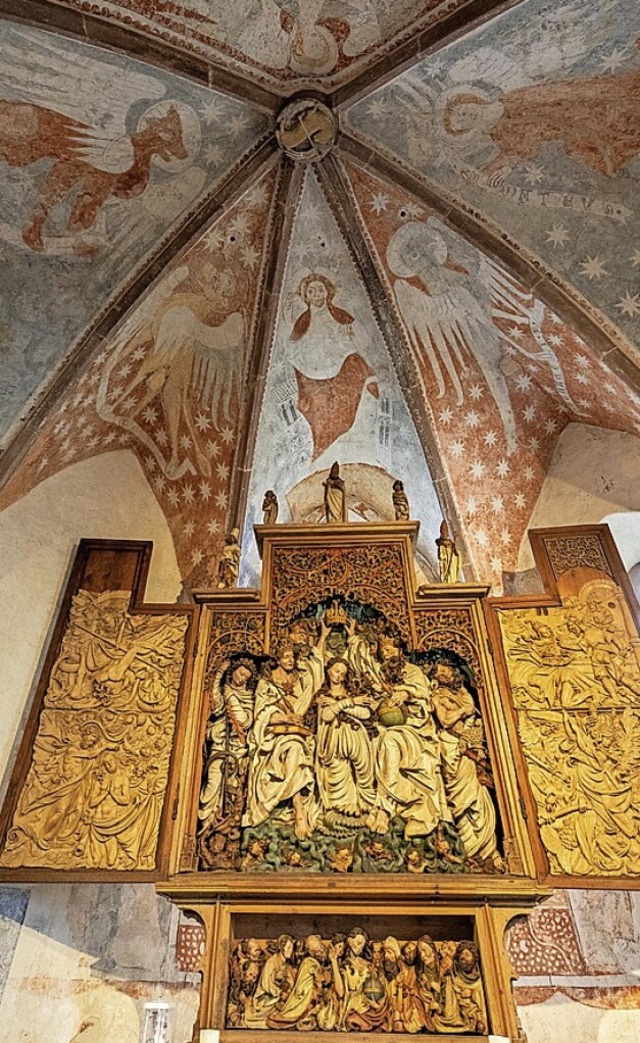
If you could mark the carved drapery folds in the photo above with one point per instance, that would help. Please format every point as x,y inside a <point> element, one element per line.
<point>94,791</point>
<point>575,679</point>
<point>350,982</point>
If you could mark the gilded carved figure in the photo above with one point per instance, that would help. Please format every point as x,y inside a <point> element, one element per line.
<point>352,755</point>
<point>355,983</point>
<point>400,501</point>
<point>94,792</point>
<point>576,687</point>
<point>229,564</point>
<point>269,508</point>
<point>448,556</point>
<point>335,496</point>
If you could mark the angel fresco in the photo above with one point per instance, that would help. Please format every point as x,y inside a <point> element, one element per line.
<point>77,118</point>
<point>188,340</point>
<point>452,299</point>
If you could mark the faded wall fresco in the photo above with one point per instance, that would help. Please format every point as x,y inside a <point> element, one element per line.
<point>331,394</point>
<point>83,959</point>
<point>169,384</point>
<point>534,120</point>
<point>99,155</point>
<point>279,39</point>
<point>502,374</point>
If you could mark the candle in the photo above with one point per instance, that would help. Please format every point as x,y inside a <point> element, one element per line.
<point>209,1036</point>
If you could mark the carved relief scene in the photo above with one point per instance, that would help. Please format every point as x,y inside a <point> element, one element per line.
<point>351,982</point>
<point>574,673</point>
<point>349,748</point>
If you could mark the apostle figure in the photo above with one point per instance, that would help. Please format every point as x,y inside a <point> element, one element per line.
<point>400,501</point>
<point>229,564</point>
<point>283,746</point>
<point>227,733</point>
<point>274,987</point>
<point>335,496</point>
<point>270,508</point>
<point>448,556</point>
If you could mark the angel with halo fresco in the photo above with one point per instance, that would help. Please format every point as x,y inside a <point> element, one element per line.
<point>188,340</point>
<point>451,299</point>
<point>77,116</point>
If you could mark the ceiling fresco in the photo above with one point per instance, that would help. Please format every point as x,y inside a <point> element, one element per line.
<point>279,41</point>
<point>169,385</point>
<point>99,157</point>
<point>455,281</point>
<point>332,394</point>
<point>535,121</point>
<point>502,374</point>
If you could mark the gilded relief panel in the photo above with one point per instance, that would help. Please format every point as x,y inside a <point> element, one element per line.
<point>575,678</point>
<point>351,982</point>
<point>93,795</point>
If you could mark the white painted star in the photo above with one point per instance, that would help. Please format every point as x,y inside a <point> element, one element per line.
<point>150,414</point>
<point>205,490</point>
<point>213,527</point>
<point>549,426</point>
<point>210,111</point>
<point>555,339</point>
<point>497,504</point>
<point>189,527</point>
<point>629,304</point>
<point>196,556</point>
<point>222,500</point>
<point>379,202</point>
<point>471,418</point>
<point>476,392</point>
<point>505,537</point>
<point>188,494</point>
<point>237,125</point>
<point>250,257</point>
<point>458,448</point>
<point>534,444</point>
<point>503,469</point>
<point>529,413</point>
<point>593,267</point>
<point>377,108</point>
<point>519,500</point>
<point>226,435</point>
<point>203,422</point>
<point>582,361</point>
<point>615,60</point>
<point>533,174</point>
<point>490,438</point>
<point>222,470</point>
<point>635,258</point>
<point>472,506</point>
<point>528,474</point>
<point>557,235</point>
<point>523,383</point>
<point>446,415</point>
<point>477,469</point>
<point>213,155</point>
<point>496,564</point>
<point>582,378</point>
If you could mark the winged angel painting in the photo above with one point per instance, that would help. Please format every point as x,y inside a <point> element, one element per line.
<point>87,136</point>
<point>188,339</point>
<point>460,308</point>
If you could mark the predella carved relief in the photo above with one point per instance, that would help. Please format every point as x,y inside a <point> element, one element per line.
<point>93,795</point>
<point>351,983</point>
<point>346,752</point>
<point>575,677</point>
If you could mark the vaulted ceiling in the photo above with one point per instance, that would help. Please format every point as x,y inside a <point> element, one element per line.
<point>455,281</point>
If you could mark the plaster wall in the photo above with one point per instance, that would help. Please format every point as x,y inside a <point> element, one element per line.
<point>78,962</point>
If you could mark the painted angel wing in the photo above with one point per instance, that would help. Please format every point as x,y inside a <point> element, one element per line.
<point>218,363</point>
<point>137,328</point>
<point>98,94</point>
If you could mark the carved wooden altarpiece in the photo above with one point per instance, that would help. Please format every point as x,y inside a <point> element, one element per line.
<point>353,783</point>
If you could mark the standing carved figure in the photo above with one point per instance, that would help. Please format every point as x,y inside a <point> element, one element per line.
<point>229,564</point>
<point>335,497</point>
<point>269,508</point>
<point>448,556</point>
<point>400,501</point>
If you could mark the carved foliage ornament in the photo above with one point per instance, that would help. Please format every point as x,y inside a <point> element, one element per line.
<point>94,792</point>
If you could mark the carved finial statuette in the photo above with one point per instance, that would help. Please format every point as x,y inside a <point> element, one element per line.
<point>229,564</point>
<point>269,508</point>
<point>400,501</point>
<point>448,556</point>
<point>335,497</point>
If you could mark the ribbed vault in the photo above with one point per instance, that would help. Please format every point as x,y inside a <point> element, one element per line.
<point>162,258</point>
